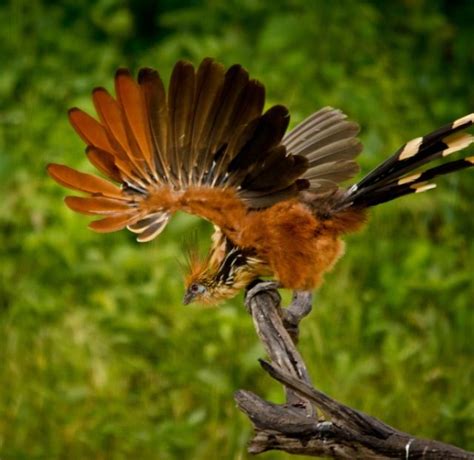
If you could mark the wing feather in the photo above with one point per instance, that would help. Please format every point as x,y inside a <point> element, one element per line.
<point>216,133</point>
<point>209,82</point>
<point>203,146</point>
<point>154,94</point>
<point>135,120</point>
<point>246,113</point>
<point>328,141</point>
<point>180,102</point>
<point>82,182</point>
<point>114,223</point>
<point>96,205</point>
<point>113,119</point>
<point>152,231</point>
<point>104,162</point>
<point>89,129</point>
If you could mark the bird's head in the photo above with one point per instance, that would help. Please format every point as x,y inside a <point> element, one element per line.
<point>218,277</point>
<point>202,290</point>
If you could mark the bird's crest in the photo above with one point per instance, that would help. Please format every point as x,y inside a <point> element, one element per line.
<point>196,264</point>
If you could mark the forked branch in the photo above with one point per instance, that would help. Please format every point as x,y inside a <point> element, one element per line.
<point>310,422</point>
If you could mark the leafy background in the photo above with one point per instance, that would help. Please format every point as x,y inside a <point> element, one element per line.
<point>99,359</point>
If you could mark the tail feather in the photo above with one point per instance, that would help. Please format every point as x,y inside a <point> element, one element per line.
<point>400,175</point>
<point>414,183</point>
<point>419,151</point>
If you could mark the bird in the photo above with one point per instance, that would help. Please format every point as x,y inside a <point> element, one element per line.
<point>206,146</point>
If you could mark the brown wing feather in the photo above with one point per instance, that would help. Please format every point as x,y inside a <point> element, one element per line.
<point>110,115</point>
<point>154,95</point>
<point>113,119</point>
<point>133,108</point>
<point>104,162</point>
<point>152,231</point>
<point>82,182</point>
<point>247,109</point>
<point>209,82</point>
<point>96,205</point>
<point>256,140</point>
<point>216,133</point>
<point>180,102</point>
<point>89,129</point>
<point>266,199</point>
<point>114,223</point>
<point>207,133</point>
<point>300,132</point>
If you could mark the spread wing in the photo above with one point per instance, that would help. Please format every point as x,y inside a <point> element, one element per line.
<point>204,146</point>
<point>328,141</point>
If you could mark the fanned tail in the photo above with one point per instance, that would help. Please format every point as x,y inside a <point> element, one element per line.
<point>401,174</point>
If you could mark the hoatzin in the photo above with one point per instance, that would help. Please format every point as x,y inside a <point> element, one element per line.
<point>207,148</point>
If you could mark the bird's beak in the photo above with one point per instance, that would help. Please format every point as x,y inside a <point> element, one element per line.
<point>188,298</point>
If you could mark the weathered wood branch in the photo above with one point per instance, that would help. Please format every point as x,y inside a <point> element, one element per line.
<point>310,422</point>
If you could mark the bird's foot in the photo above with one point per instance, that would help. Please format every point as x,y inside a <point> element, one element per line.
<point>259,286</point>
<point>300,306</point>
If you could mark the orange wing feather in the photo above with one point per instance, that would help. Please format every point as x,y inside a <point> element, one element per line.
<point>190,150</point>
<point>89,129</point>
<point>97,205</point>
<point>135,116</point>
<point>82,182</point>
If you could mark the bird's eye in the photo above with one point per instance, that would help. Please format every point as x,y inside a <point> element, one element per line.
<point>197,288</point>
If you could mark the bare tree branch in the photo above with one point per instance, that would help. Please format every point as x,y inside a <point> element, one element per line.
<point>339,432</point>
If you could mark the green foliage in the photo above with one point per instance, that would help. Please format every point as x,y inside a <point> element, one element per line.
<point>99,359</point>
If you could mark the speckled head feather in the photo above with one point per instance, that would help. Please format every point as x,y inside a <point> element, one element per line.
<point>221,274</point>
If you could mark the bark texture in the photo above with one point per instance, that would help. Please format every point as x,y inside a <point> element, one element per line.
<point>310,422</point>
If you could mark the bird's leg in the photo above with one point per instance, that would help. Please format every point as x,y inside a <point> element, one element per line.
<point>300,306</point>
